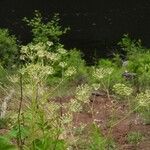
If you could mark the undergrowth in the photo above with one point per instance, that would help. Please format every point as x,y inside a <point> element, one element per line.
<point>45,70</point>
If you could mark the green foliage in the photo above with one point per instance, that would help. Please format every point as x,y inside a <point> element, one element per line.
<point>106,63</point>
<point>98,141</point>
<point>117,60</point>
<point>46,59</point>
<point>75,59</point>
<point>47,69</point>
<point>43,32</point>
<point>5,144</point>
<point>46,144</point>
<point>106,74</point>
<point>14,132</point>
<point>130,46</point>
<point>134,137</point>
<point>138,59</point>
<point>116,74</point>
<point>50,51</point>
<point>8,49</point>
<point>42,118</point>
<point>3,75</point>
<point>62,62</point>
<point>139,63</point>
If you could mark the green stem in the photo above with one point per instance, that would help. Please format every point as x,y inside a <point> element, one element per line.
<point>20,142</point>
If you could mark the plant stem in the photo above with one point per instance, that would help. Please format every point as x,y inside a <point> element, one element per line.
<point>20,142</point>
<point>106,90</point>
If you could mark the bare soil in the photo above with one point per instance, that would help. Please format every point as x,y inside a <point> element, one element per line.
<point>110,113</point>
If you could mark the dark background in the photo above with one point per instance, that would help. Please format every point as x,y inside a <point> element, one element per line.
<point>96,25</point>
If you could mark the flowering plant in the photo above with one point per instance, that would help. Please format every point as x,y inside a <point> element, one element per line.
<point>122,89</point>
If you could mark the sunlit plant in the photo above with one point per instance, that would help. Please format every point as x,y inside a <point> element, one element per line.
<point>43,32</point>
<point>143,101</point>
<point>83,92</point>
<point>101,76</point>
<point>100,73</point>
<point>122,90</point>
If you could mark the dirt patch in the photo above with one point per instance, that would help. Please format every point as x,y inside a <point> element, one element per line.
<point>3,131</point>
<point>110,114</point>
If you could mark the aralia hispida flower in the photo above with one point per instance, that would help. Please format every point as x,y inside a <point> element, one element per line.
<point>83,93</point>
<point>102,77</point>
<point>70,71</point>
<point>122,89</point>
<point>74,106</point>
<point>37,72</point>
<point>61,51</point>
<point>96,86</point>
<point>63,64</point>
<point>143,99</point>
<point>143,105</point>
<point>100,73</point>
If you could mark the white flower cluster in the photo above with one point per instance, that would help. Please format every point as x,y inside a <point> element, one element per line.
<point>75,106</point>
<point>95,86</point>
<point>24,49</point>
<point>48,70</point>
<point>63,64</point>
<point>100,73</point>
<point>32,51</point>
<point>40,54</point>
<point>83,93</point>
<point>52,109</point>
<point>49,43</point>
<point>40,50</point>
<point>53,56</point>
<point>39,46</point>
<point>24,52</point>
<point>144,99</point>
<point>37,71</point>
<point>62,51</point>
<point>14,78</point>
<point>122,89</point>
<point>70,71</point>
<point>67,118</point>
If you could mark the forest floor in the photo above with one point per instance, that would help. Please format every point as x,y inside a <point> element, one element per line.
<point>110,114</point>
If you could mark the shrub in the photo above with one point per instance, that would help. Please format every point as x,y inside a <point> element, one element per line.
<point>106,73</point>
<point>43,32</point>
<point>8,49</point>
<point>138,59</point>
<point>116,75</point>
<point>46,47</point>
<point>129,46</point>
<point>74,59</point>
<point>139,64</point>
